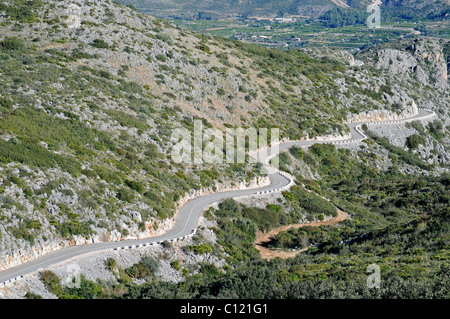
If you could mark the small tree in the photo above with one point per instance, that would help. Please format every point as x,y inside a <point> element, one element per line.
<point>132,271</point>
<point>52,282</point>
<point>161,57</point>
<point>413,141</point>
<point>229,205</point>
<point>150,263</point>
<point>100,44</point>
<point>176,265</point>
<point>436,129</point>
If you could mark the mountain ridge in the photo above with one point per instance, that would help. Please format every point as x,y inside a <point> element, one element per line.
<point>270,8</point>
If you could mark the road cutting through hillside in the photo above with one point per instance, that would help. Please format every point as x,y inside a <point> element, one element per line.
<point>263,239</point>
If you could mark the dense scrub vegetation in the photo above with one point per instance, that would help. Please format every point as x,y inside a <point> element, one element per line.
<point>21,10</point>
<point>47,130</point>
<point>413,257</point>
<point>55,103</point>
<point>401,223</point>
<point>309,202</point>
<point>403,155</point>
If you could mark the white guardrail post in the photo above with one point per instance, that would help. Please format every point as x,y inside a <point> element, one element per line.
<point>10,281</point>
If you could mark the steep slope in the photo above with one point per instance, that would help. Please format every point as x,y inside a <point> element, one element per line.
<point>220,9</point>
<point>216,9</point>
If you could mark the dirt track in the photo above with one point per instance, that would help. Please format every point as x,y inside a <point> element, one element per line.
<point>269,254</point>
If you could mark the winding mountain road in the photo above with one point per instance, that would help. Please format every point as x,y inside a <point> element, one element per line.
<point>189,214</point>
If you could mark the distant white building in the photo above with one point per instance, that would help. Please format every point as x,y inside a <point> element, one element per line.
<point>260,37</point>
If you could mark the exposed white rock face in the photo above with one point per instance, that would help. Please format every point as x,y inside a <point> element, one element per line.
<point>410,110</point>
<point>396,61</point>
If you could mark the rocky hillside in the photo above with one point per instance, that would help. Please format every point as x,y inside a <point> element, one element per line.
<point>90,94</point>
<point>219,9</point>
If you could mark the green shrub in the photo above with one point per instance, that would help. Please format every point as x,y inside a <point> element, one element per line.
<point>23,232</point>
<point>30,295</point>
<point>264,219</point>
<point>289,196</point>
<point>209,270</point>
<point>204,48</point>
<point>132,272</point>
<point>32,224</point>
<point>86,290</point>
<point>201,249</point>
<point>74,227</point>
<point>110,263</point>
<point>164,37</point>
<point>100,44</point>
<point>6,102</point>
<point>151,263</point>
<point>125,195</point>
<point>313,203</point>
<point>52,282</point>
<point>105,74</point>
<point>12,44</point>
<point>138,187</point>
<point>161,57</point>
<point>297,152</point>
<point>176,265</point>
<point>229,206</point>
<point>436,129</point>
<point>413,141</point>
